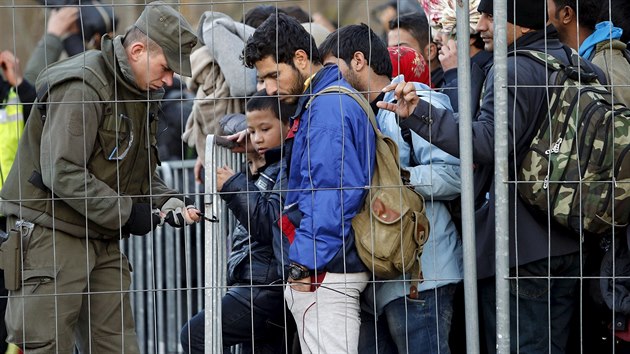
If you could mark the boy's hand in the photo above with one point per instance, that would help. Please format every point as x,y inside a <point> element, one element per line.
<point>223,174</point>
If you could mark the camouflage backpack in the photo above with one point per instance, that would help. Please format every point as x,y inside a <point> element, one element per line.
<point>577,168</point>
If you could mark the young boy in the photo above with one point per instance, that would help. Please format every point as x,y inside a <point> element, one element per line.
<point>254,305</point>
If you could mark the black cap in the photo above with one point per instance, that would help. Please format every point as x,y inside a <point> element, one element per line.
<point>528,13</point>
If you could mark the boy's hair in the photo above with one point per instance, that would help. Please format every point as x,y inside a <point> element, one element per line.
<point>291,36</point>
<point>416,24</point>
<point>589,10</point>
<point>347,40</point>
<point>619,16</point>
<point>260,101</point>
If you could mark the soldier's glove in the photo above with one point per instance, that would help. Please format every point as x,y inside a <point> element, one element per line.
<point>174,210</point>
<point>142,219</point>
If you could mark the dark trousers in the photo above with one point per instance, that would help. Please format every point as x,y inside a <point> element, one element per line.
<point>541,302</point>
<point>247,313</point>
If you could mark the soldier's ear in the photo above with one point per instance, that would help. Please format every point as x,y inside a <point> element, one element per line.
<point>135,51</point>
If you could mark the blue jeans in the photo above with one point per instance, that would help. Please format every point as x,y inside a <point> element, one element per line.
<point>266,323</point>
<point>410,326</point>
<point>529,307</point>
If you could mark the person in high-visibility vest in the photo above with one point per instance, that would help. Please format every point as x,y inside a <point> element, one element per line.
<point>15,92</point>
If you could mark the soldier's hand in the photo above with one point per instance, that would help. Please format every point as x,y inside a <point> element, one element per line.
<point>406,97</point>
<point>141,220</point>
<point>180,211</point>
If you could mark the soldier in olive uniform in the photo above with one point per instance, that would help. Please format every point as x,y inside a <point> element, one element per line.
<point>85,177</point>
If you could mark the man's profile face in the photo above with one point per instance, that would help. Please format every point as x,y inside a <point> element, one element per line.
<point>348,74</point>
<point>553,14</point>
<point>151,70</point>
<point>401,37</point>
<point>485,27</point>
<point>280,79</point>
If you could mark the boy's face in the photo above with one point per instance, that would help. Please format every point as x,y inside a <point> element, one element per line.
<point>266,131</point>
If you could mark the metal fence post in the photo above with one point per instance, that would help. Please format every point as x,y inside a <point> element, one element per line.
<point>466,164</point>
<point>215,252</point>
<point>502,226</point>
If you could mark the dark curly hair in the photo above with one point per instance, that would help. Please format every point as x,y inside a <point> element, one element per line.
<point>260,101</point>
<point>291,36</point>
<point>347,40</point>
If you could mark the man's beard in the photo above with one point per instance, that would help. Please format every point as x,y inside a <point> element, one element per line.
<point>297,88</point>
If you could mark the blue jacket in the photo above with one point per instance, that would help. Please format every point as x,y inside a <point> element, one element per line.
<point>437,178</point>
<point>332,159</point>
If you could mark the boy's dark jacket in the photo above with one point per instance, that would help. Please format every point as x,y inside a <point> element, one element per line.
<point>256,204</point>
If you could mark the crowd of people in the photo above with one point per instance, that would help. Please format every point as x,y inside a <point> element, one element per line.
<point>82,137</point>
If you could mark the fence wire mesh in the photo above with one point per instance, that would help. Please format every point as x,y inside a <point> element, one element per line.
<point>202,126</point>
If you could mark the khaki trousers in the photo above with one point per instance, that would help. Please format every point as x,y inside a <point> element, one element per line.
<point>74,292</point>
<point>328,319</point>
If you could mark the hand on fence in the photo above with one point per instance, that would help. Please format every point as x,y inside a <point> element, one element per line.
<point>180,211</point>
<point>197,170</point>
<point>406,97</point>
<point>141,220</point>
<point>223,174</point>
<point>244,144</point>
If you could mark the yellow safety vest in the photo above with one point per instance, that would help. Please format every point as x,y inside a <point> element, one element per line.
<point>11,128</point>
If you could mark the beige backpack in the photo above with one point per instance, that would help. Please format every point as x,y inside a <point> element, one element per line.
<point>391,229</point>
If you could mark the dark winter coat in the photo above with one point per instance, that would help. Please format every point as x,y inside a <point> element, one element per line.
<point>256,206</point>
<point>536,239</point>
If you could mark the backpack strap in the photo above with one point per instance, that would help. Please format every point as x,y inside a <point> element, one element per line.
<point>42,97</point>
<point>365,105</point>
<point>576,69</point>
<point>415,272</point>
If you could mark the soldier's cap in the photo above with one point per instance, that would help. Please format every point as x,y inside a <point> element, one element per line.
<point>170,30</point>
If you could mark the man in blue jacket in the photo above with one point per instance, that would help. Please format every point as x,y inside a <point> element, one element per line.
<point>543,256</point>
<point>391,320</point>
<point>330,157</point>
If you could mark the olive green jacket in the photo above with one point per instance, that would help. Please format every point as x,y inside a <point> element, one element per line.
<point>92,154</point>
<point>47,51</point>
<point>609,57</point>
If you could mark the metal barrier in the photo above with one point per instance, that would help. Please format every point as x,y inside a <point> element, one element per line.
<point>166,280</point>
<point>178,272</point>
<point>216,244</point>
